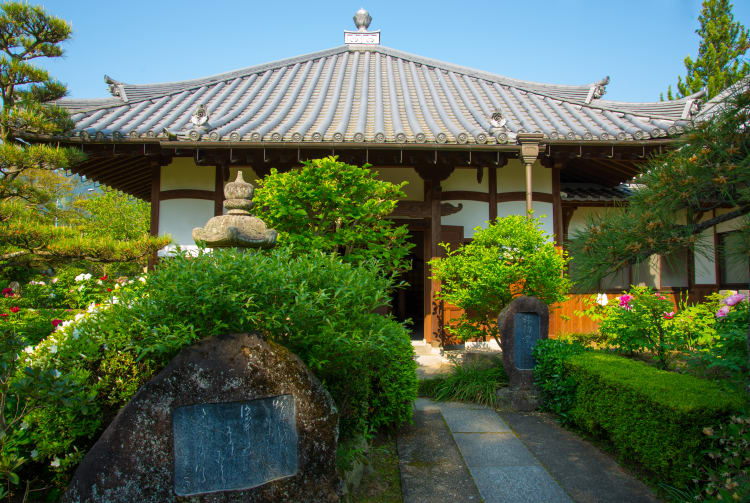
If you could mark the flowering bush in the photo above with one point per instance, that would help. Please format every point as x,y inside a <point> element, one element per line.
<point>316,305</point>
<point>640,320</point>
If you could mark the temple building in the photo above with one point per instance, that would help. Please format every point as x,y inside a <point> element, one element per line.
<point>472,145</point>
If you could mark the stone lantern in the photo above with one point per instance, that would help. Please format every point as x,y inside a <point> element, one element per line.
<point>238,228</point>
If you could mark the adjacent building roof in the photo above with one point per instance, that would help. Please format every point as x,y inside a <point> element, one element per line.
<point>593,193</point>
<point>369,94</point>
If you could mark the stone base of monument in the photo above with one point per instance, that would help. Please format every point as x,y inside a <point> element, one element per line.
<point>231,419</point>
<point>518,399</point>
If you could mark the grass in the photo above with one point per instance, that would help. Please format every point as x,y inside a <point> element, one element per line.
<point>381,483</point>
<point>472,384</point>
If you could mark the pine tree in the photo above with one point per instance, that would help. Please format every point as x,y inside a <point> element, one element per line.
<point>29,232</point>
<point>724,42</point>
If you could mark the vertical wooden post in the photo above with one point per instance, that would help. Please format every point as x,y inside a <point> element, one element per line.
<point>492,192</point>
<point>155,191</point>
<point>557,219</point>
<point>219,179</point>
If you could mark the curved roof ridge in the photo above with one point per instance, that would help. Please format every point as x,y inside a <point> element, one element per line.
<point>163,88</point>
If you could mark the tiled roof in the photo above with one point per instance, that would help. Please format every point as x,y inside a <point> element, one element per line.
<point>590,192</point>
<point>369,94</point>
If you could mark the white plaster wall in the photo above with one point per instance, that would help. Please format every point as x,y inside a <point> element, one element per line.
<point>512,177</point>
<point>705,257</point>
<point>179,217</point>
<point>581,216</point>
<point>248,174</point>
<point>473,214</point>
<point>466,179</point>
<point>182,173</point>
<point>542,211</point>
<point>674,270</point>
<point>414,190</point>
<point>705,260</point>
<point>647,273</point>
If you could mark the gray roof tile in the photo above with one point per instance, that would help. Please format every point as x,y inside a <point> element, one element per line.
<point>368,94</point>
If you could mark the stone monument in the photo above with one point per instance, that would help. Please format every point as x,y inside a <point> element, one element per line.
<point>231,419</point>
<point>238,228</point>
<point>522,323</point>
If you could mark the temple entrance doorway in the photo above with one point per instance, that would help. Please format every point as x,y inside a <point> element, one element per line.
<point>408,302</point>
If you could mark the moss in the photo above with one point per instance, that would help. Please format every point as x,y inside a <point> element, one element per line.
<point>381,481</point>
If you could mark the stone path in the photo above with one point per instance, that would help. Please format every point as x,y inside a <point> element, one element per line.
<point>458,452</point>
<point>502,468</point>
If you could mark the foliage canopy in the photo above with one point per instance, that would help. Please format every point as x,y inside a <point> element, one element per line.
<point>512,256</point>
<point>31,231</point>
<point>335,207</point>
<point>723,43</point>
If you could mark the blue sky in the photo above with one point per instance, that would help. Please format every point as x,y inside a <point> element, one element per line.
<point>640,44</point>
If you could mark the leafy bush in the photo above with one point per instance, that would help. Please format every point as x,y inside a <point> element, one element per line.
<point>316,305</point>
<point>651,416</point>
<point>512,256</point>
<point>723,353</point>
<point>557,389</point>
<point>640,320</point>
<point>332,206</point>
<point>466,384</point>
<point>723,472</point>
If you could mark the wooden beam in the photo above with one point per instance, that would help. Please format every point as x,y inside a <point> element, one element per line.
<point>492,192</point>
<point>504,197</point>
<point>219,188</point>
<point>155,188</point>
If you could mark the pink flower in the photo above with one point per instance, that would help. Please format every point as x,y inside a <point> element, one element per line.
<point>734,299</point>
<point>8,292</point>
<point>669,315</point>
<point>625,300</point>
<point>56,322</point>
<point>723,311</point>
<point>103,278</point>
<point>15,309</point>
<point>3,315</point>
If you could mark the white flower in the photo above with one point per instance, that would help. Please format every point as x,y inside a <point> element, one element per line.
<point>52,295</point>
<point>117,285</point>
<point>115,300</point>
<point>24,425</point>
<point>54,280</point>
<point>76,333</point>
<point>601,299</point>
<point>53,349</point>
<point>34,454</point>
<point>56,373</point>
<point>79,316</point>
<point>37,283</point>
<point>142,279</point>
<point>99,282</point>
<point>91,308</point>
<point>80,288</point>
<point>83,277</point>
<point>55,462</point>
<point>29,350</point>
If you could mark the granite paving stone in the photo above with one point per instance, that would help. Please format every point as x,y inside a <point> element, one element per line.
<point>517,484</point>
<point>462,420</point>
<point>493,449</point>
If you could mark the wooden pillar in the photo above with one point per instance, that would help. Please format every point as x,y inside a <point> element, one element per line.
<point>557,217</point>
<point>432,174</point>
<point>492,189</point>
<point>155,190</point>
<point>222,172</point>
<point>529,152</point>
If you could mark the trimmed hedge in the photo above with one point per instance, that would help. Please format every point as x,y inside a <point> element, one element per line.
<point>651,416</point>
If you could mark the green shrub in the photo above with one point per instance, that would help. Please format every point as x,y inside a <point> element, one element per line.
<point>319,307</point>
<point>651,416</point>
<point>557,389</point>
<point>512,256</point>
<point>466,384</point>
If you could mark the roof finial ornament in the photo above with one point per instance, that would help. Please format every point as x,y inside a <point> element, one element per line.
<point>362,20</point>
